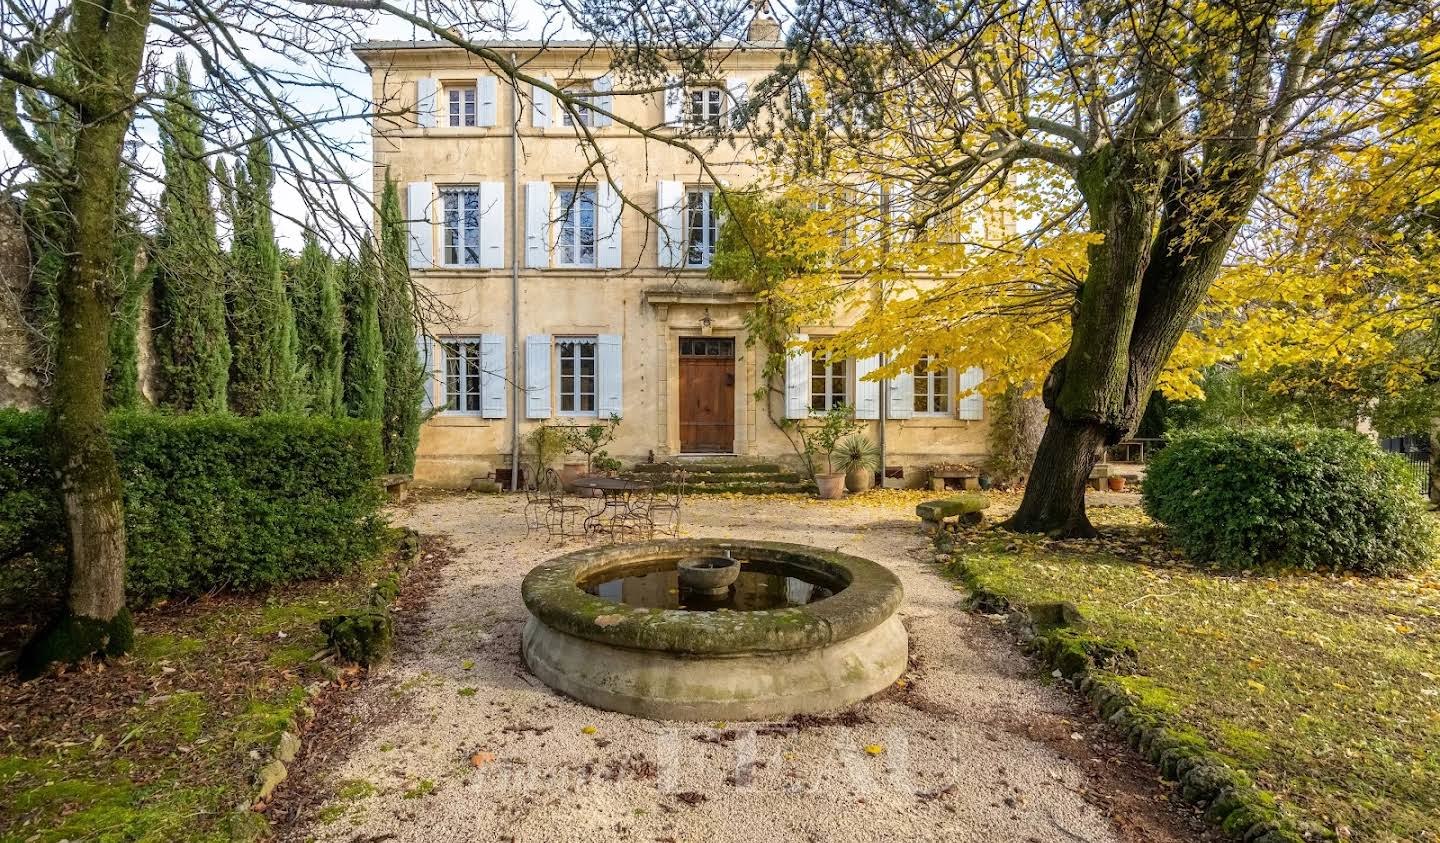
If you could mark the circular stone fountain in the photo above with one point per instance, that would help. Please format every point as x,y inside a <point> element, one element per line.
<point>801,630</point>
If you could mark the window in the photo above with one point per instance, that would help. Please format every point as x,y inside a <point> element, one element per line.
<point>932,388</point>
<point>706,106</point>
<point>575,243</point>
<point>829,383</point>
<point>462,374</point>
<point>586,116</point>
<point>702,229</point>
<point>577,375</point>
<point>462,105</point>
<point>462,225</point>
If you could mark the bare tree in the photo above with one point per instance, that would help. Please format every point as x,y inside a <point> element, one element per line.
<point>275,70</point>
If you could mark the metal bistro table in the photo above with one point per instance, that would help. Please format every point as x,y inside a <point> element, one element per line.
<point>616,491</point>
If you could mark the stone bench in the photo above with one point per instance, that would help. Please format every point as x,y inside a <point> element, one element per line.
<point>966,480</point>
<point>961,510</point>
<point>396,486</point>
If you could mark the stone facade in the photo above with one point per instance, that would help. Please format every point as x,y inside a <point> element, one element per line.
<point>481,226</point>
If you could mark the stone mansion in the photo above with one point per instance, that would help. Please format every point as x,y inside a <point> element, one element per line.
<point>563,304</point>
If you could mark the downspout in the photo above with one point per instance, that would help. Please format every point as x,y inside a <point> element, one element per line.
<point>884,383</point>
<point>515,384</point>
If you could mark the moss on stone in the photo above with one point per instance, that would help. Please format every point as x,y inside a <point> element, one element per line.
<point>363,637</point>
<point>867,594</point>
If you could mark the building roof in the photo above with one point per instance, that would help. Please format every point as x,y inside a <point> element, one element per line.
<point>371,48</point>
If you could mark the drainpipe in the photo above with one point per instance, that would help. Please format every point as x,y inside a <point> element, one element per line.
<point>515,387</point>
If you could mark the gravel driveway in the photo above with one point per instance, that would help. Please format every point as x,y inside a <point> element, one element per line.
<point>455,740</point>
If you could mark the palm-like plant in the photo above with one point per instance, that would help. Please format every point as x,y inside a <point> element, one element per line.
<point>857,451</point>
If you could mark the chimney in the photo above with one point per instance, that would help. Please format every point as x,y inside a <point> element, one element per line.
<point>764,30</point>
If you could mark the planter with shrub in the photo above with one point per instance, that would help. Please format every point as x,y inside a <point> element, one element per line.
<point>858,459</point>
<point>819,440</point>
<point>1290,498</point>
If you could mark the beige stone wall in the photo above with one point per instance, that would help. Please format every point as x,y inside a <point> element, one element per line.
<point>649,306</point>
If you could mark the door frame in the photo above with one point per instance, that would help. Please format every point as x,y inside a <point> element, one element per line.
<point>670,329</point>
<point>734,360</point>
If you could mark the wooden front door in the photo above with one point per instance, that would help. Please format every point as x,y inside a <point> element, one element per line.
<point>707,395</point>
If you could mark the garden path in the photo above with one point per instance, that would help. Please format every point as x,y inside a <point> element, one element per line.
<point>455,740</point>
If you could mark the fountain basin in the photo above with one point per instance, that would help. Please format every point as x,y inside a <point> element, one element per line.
<point>710,574</point>
<point>833,638</point>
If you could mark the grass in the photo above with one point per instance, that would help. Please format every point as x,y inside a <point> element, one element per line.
<point>1325,689</point>
<point>156,746</point>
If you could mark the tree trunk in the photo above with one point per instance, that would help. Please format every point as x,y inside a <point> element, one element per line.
<point>1055,493</point>
<point>94,619</point>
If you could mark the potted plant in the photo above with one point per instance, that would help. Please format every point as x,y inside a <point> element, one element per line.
<point>588,440</point>
<point>819,439</point>
<point>859,459</point>
<point>1116,483</point>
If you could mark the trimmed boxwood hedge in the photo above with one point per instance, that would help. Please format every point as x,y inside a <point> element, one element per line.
<point>1289,497</point>
<point>211,501</point>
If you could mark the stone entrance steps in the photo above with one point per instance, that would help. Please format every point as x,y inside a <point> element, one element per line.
<point>744,478</point>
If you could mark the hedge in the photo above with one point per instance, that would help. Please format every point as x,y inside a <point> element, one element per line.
<point>211,501</point>
<point>1289,497</point>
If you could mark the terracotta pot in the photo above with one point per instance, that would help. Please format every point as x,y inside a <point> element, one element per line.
<point>568,472</point>
<point>830,486</point>
<point>859,479</point>
<point>1117,483</point>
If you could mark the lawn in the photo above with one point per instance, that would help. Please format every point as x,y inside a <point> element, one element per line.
<point>1325,689</point>
<point>163,744</point>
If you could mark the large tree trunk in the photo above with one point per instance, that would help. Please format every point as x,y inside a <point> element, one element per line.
<point>1055,493</point>
<point>95,620</point>
<point>1143,286</point>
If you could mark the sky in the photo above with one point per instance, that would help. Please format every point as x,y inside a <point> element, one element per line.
<point>526,18</point>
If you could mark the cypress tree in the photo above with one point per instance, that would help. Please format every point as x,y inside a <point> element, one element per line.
<point>122,378</point>
<point>315,295</point>
<point>192,351</point>
<point>364,350</point>
<point>404,377</point>
<point>262,322</point>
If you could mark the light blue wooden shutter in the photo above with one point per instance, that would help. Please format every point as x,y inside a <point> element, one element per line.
<point>674,101</point>
<point>427,102</point>
<point>425,349</point>
<point>671,246</point>
<point>797,378</point>
<point>537,376</point>
<point>487,93</point>
<point>492,376</point>
<point>607,225</point>
<point>603,99</point>
<point>739,91</point>
<point>492,224</point>
<point>420,195</point>
<point>902,395</point>
<point>611,376</point>
<point>972,405</point>
<point>537,224</point>
<point>867,393</point>
<point>867,197</point>
<point>541,104</point>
